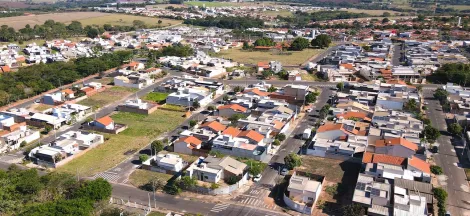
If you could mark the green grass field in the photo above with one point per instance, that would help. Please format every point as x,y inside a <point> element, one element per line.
<point>108,96</point>
<point>253,57</point>
<point>141,177</point>
<point>225,4</point>
<point>141,130</point>
<point>284,13</point>
<point>174,108</point>
<point>126,20</point>
<point>156,97</point>
<point>372,12</point>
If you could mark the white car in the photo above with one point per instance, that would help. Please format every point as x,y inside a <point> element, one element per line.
<point>309,110</point>
<point>257,178</point>
<point>426,103</point>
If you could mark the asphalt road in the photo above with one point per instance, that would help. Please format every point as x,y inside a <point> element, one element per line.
<point>396,55</point>
<point>454,179</point>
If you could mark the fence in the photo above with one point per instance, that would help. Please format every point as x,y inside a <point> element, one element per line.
<point>302,208</point>
<point>222,190</point>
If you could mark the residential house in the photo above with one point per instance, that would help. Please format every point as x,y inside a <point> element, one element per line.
<point>105,122</point>
<point>187,96</point>
<point>212,169</point>
<point>172,162</point>
<point>303,193</point>
<point>53,98</point>
<point>11,140</point>
<point>230,110</point>
<point>396,147</point>
<point>186,145</point>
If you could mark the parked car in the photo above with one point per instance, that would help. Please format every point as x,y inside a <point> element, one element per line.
<point>257,178</point>
<point>284,171</point>
<point>309,110</point>
<point>435,149</point>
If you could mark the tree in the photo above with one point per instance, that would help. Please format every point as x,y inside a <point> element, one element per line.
<point>246,46</point>
<point>411,106</point>
<point>321,41</point>
<point>238,89</point>
<point>385,20</point>
<point>299,44</point>
<point>235,117</point>
<point>96,190</point>
<point>292,160</point>
<point>431,133</point>
<point>310,98</point>
<point>211,108</point>
<point>281,137</point>
<point>266,74</point>
<point>340,86</point>
<point>419,88</point>
<point>437,170</point>
<point>455,129</point>
<point>353,210</point>
<point>272,89</point>
<point>254,167</point>
<point>187,183</point>
<point>225,98</point>
<point>160,22</point>
<point>138,24</point>
<point>196,104</point>
<point>192,123</point>
<point>386,14</point>
<point>157,146</point>
<point>264,42</point>
<point>143,157</point>
<point>441,94</point>
<point>276,142</point>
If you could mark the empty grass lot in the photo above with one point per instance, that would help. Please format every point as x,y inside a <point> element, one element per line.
<point>283,13</point>
<point>341,173</point>
<point>141,177</point>
<point>371,12</point>
<point>108,96</point>
<point>156,97</point>
<point>141,130</point>
<point>253,57</point>
<point>121,19</point>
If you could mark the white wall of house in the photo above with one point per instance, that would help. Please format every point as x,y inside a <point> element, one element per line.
<point>182,147</point>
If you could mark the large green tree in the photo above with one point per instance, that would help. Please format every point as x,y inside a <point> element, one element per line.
<point>431,133</point>
<point>321,41</point>
<point>299,44</point>
<point>292,160</point>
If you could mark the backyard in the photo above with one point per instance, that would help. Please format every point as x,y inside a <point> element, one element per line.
<point>141,130</point>
<point>126,20</point>
<point>108,96</point>
<point>293,58</point>
<point>340,178</point>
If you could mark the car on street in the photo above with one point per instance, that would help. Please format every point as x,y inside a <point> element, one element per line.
<point>309,110</point>
<point>426,103</point>
<point>284,171</point>
<point>257,178</point>
<point>435,149</point>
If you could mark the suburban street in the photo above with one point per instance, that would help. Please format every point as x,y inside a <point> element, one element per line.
<point>258,194</point>
<point>454,179</point>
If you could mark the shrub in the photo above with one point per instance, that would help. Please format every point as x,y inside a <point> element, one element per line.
<point>281,137</point>
<point>276,142</point>
<point>441,196</point>
<point>332,190</point>
<point>214,186</point>
<point>192,123</point>
<point>157,146</point>
<point>292,160</point>
<point>436,170</point>
<point>143,157</point>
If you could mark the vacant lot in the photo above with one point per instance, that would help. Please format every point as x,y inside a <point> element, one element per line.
<point>371,12</point>
<point>20,21</point>
<point>284,13</point>
<point>340,178</point>
<point>156,97</point>
<point>122,19</point>
<point>141,177</point>
<point>292,58</point>
<point>224,4</point>
<point>141,130</point>
<point>107,96</point>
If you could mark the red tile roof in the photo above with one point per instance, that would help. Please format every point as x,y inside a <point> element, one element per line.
<point>396,141</point>
<point>329,127</point>
<point>5,69</point>
<point>252,135</point>
<point>231,131</point>
<point>67,91</point>
<point>105,120</point>
<point>419,164</point>
<point>383,158</point>
<point>350,114</point>
<point>192,141</point>
<point>263,64</point>
<point>234,107</point>
<point>214,125</point>
<point>257,92</point>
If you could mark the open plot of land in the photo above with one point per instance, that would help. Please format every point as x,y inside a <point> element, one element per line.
<point>19,22</point>
<point>122,19</point>
<point>253,57</point>
<point>224,4</point>
<point>339,174</point>
<point>156,97</point>
<point>41,107</point>
<point>141,177</point>
<point>108,96</point>
<point>371,12</point>
<point>141,130</point>
<point>284,13</point>
<point>458,7</point>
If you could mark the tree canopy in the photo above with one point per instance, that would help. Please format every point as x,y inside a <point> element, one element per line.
<point>431,133</point>
<point>24,192</point>
<point>299,44</point>
<point>321,41</point>
<point>227,22</point>
<point>264,42</point>
<point>292,160</point>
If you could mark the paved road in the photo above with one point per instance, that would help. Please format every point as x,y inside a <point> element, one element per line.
<point>454,179</point>
<point>396,55</point>
<point>258,194</point>
<point>174,203</point>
